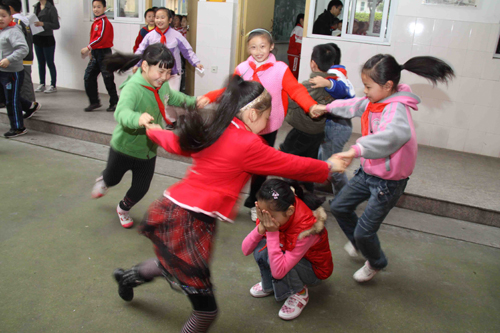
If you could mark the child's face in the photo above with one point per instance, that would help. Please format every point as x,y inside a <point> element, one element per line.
<point>5,18</point>
<point>374,91</point>
<point>177,22</point>
<point>259,48</point>
<point>98,8</point>
<point>150,18</point>
<point>184,22</point>
<point>280,217</point>
<point>161,20</point>
<point>155,75</point>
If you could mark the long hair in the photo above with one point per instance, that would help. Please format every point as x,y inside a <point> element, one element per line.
<point>154,54</point>
<point>278,193</point>
<point>383,67</point>
<point>196,133</point>
<point>299,17</point>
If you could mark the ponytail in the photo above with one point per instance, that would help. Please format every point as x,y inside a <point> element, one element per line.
<point>154,54</point>
<point>279,193</point>
<point>383,67</point>
<point>195,133</point>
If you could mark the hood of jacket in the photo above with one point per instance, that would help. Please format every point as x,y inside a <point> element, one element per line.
<point>404,96</point>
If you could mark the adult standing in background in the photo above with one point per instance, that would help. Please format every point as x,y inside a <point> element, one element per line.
<point>45,44</point>
<point>324,24</point>
<point>295,46</point>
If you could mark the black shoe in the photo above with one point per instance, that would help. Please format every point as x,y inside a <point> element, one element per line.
<point>15,132</point>
<point>31,111</point>
<point>125,292</point>
<point>111,108</point>
<point>92,107</point>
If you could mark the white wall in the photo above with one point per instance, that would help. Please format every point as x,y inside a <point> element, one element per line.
<point>463,116</point>
<point>215,43</point>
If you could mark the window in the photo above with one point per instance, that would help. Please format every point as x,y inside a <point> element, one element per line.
<point>127,11</point>
<point>368,21</point>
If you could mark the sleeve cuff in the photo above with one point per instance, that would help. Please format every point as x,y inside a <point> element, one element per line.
<point>358,149</point>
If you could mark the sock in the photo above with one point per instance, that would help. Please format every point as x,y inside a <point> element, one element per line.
<point>126,204</point>
<point>199,321</point>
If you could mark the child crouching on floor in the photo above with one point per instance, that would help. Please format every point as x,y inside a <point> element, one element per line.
<point>290,245</point>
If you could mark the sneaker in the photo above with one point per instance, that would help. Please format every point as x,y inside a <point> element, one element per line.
<point>253,214</point>
<point>35,106</point>
<point>365,273</point>
<point>125,292</point>
<point>99,189</point>
<point>111,108</point>
<point>15,132</point>
<point>125,218</point>
<point>92,107</point>
<point>351,250</point>
<point>257,291</point>
<point>293,306</point>
<point>41,88</point>
<point>50,89</point>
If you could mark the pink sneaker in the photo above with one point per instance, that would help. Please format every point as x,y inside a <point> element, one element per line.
<point>99,189</point>
<point>257,291</point>
<point>125,218</point>
<point>293,306</point>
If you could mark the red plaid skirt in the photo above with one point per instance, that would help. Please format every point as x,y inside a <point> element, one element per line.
<point>182,243</point>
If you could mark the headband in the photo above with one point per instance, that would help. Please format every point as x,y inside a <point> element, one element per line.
<point>260,29</point>
<point>255,101</point>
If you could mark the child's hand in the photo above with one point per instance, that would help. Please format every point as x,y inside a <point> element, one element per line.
<point>145,119</point>
<point>84,52</point>
<point>266,219</point>
<point>153,127</point>
<point>261,229</point>
<point>202,101</point>
<point>134,69</point>
<point>346,156</point>
<point>199,66</point>
<point>317,111</point>
<point>4,63</point>
<point>319,82</point>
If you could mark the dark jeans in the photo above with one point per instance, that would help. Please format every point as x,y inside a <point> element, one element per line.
<point>302,144</point>
<point>45,55</point>
<point>11,83</point>
<point>258,180</point>
<point>382,196</point>
<point>294,281</point>
<point>94,68</point>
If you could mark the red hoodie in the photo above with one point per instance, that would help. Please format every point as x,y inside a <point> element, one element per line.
<point>101,33</point>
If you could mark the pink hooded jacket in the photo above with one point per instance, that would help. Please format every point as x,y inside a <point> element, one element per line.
<point>389,151</point>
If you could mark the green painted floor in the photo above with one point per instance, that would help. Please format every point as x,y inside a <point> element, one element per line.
<point>58,249</point>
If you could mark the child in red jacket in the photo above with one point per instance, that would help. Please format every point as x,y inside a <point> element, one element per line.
<point>290,245</point>
<point>101,42</point>
<point>226,151</point>
<point>149,16</point>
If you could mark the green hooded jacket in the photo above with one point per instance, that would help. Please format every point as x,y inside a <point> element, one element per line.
<point>128,137</point>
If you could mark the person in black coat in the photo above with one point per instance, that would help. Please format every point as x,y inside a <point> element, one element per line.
<point>325,22</point>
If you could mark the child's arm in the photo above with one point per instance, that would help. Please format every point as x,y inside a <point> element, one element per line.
<point>188,53</point>
<point>177,98</point>
<point>393,132</point>
<point>251,241</point>
<point>96,36</point>
<point>138,41</point>
<point>140,50</point>
<point>297,92</point>
<point>125,113</point>
<point>19,46</point>
<point>167,140</point>
<point>345,108</point>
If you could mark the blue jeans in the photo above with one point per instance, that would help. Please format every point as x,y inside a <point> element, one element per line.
<point>293,282</point>
<point>336,136</point>
<point>45,55</point>
<point>382,196</point>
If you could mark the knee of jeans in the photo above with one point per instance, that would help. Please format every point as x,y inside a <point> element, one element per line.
<point>338,210</point>
<point>362,235</point>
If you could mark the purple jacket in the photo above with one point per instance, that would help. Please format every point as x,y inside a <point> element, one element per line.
<point>176,43</point>
<point>389,151</point>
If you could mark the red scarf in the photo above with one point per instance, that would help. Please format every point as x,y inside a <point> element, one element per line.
<point>163,39</point>
<point>11,24</point>
<point>365,121</point>
<point>159,102</point>
<point>260,69</point>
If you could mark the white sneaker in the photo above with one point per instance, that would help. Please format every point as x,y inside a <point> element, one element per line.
<point>257,291</point>
<point>41,88</point>
<point>293,306</point>
<point>351,250</point>
<point>50,89</point>
<point>125,218</point>
<point>253,213</point>
<point>365,273</point>
<point>99,189</point>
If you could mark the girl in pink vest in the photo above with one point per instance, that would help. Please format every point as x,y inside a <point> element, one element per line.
<point>276,77</point>
<point>290,245</point>
<point>181,223</point>
<point>387,150</point>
